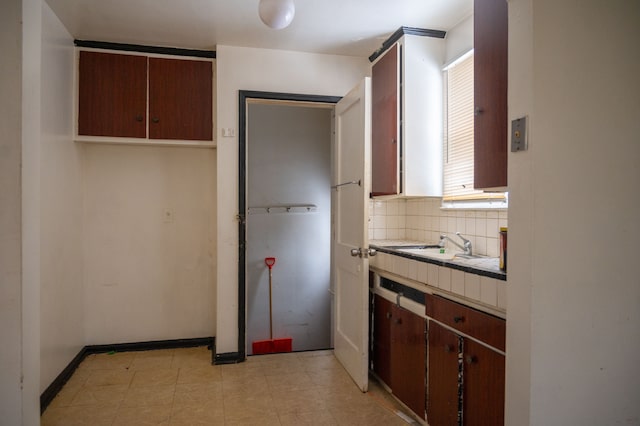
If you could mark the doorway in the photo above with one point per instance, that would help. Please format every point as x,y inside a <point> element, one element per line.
<point>285,211</point>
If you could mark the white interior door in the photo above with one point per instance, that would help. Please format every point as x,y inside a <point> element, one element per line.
<point>350,242</point>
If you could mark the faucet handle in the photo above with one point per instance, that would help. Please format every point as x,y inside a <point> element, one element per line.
<point>462,238</point>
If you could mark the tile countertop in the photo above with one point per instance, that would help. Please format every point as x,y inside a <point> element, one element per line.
<point>483,266</point>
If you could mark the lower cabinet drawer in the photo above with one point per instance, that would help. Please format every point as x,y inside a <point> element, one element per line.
<point>480,325</point>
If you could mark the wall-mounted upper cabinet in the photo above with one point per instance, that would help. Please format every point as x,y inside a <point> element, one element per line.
<point>112,95</point>
<point>124,98</point>
<point>490,94</point>
<point>180,99</point>
<point>406,128</point>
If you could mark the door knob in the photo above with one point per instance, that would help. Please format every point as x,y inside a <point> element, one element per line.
<point>360,252</point>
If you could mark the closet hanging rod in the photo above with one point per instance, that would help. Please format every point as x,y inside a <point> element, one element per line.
<point>351,182</point>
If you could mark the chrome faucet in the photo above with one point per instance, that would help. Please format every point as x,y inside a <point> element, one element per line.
<point>466,247</point>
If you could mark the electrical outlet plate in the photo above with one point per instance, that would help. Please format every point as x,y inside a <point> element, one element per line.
<point>519,134</point>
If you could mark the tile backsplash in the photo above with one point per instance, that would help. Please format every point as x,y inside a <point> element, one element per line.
<point>423,219</point>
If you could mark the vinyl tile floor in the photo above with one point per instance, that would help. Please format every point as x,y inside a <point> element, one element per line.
<point>181,387</point>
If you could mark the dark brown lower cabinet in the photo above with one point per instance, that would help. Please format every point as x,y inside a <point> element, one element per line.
<point>466,378</point>
<point>382,338</point>
<point>483,389</point>
<point>399,352</point>
<point>442,400</point>
<point>408,359</point>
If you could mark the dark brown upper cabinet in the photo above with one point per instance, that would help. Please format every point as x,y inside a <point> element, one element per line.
<point>385,143</point>
<point>180,99</point>
<point>113,100</point>
<point>112,95</point>
<point>406,128</point>
<point>490,93</point>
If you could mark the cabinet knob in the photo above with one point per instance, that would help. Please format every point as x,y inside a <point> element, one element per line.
<point>398,321</point>
<point>139,118</point>
<point>477,111</point>
<point>388,315</point>
<point>448,348</point>
<point>393,140</point>
<point>470,359</point>
<point>458,319</point>
<point>155,119</point>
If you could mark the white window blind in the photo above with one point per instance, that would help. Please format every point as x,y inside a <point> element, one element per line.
<point>458,138</point>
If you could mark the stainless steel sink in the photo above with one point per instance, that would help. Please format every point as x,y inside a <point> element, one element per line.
<point>432,252</point>
<point>469,256</point>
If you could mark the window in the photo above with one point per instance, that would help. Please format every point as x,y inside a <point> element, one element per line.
<point>458,139</point>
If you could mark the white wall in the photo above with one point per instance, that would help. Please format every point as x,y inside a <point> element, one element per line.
<point>148,277</point>
<point>521,231</point>
<point>31,200</point>
<point>459,40</point>
<point>43,216</point>
<point>573,319</point>
<point>264,70</point>
<point>61,290</point>
<point>10,210</point>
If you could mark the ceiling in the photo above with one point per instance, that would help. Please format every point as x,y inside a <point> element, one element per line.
<point>341,27</point>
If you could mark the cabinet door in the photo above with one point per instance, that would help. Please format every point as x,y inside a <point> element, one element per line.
<point>382,317</point>
<point>442,371</point>
<point>384,125</point>
<point>112,95</point>
<point>484,381</point>
<point>490,93</point>
<point>180,99</point>
<point>408,359</point>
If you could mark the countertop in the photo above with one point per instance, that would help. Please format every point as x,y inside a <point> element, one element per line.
<point>482,265</point>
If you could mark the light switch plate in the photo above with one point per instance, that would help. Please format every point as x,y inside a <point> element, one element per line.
<point>519,134</point>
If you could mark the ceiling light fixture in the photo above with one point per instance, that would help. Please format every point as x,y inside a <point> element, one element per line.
<point>276,14</point>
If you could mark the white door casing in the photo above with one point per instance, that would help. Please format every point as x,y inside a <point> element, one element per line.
<point>350,201</point>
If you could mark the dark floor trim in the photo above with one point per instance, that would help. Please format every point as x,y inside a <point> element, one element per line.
<point>229,358</point>
<point>146,49</point>
<point>151,345</point>
<point>52,390</point>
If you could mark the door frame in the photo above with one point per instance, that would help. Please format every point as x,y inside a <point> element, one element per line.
<point>244,97</point>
